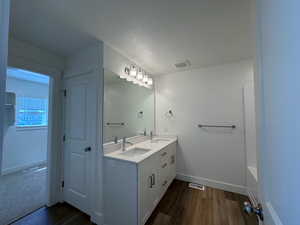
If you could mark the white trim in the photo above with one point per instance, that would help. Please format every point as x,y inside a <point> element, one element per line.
<point>4,27</point>
<point>21,168</point>
<point>97,218</point>
<point>252,198</point>
<point>273,214</point>
<point>213,183</point>
<point>53,148</point>
<point>34,127</point>
<point>42,62</point>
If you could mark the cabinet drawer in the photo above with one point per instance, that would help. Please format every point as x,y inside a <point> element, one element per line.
<point>163,155</point>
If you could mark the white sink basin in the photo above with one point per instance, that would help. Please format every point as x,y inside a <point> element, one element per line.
<point>135,152</point>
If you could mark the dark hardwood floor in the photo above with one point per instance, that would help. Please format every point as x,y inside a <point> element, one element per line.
<point>180,206</point>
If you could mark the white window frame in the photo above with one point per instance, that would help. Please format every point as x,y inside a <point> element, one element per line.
<point>35,127</point>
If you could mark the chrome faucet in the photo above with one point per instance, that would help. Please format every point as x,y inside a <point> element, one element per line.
<point>144,132</point>
<point>124,142</point>
<point>151,135</point>
<point>116,140</point>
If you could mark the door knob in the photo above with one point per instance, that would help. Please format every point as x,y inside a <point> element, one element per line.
<point>88,149</point>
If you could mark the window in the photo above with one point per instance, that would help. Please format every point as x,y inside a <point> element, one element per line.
<point>31,112</point>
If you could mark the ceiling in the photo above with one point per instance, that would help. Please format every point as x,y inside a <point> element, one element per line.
<point>155,34</point>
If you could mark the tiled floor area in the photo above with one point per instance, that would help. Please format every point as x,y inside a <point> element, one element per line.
<point>22,193</point>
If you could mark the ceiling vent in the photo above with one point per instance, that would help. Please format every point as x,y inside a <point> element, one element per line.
<point>182,65</point>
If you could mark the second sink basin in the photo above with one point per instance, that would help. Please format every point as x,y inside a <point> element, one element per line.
<point>135,152</point>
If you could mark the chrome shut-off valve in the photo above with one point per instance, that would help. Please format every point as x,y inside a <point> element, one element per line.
<point>249,209</point>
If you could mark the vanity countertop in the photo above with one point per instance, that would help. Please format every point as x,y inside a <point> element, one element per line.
<point>148,148</point>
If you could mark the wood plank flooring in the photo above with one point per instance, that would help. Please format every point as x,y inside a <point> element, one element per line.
<point>180,206</point>
<point>185,206</point>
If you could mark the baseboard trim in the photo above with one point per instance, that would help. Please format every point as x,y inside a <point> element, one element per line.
<point>97,218</point>
<point>17,169</point>
<point>273,214</point>
<point>252,198</point>
<point>213,183</point>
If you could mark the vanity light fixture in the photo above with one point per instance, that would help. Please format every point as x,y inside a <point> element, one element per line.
<point>133,71</point>
<point>150,81</point>
<point>140,75</point>
<point>145,79</point>
<point>127,70</point>
<point>137,76</point>
<point>129,78</point>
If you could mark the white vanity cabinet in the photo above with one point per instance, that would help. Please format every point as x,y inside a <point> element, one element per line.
<point>148,174</point>
<point>133,190</point>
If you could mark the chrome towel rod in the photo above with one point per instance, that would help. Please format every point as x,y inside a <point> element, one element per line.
<point>231,126</point>
<point>115,124</point>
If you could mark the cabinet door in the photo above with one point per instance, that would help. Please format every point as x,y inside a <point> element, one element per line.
<point>147,188</point>
<point>172,162</point>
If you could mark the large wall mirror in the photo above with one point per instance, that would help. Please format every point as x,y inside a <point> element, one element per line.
<point>128,108</point>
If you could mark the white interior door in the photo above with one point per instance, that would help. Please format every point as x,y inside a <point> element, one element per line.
<point>279,155</point>
<point>80,139</point>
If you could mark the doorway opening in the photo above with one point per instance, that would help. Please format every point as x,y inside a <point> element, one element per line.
<point>24,167</point>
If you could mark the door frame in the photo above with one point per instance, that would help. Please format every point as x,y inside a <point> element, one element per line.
<point>54,192</point>
<point>51,159</point>
<point>4,29</point>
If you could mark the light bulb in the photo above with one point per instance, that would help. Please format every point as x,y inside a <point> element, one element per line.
<point>140,73</point>
<point>145,79</point>
<point>140,76</point>
<point>133,71</point>
<point>150,81</point>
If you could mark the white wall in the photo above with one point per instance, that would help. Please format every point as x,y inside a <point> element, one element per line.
<point>24,147</point>
<point>27,56</point>
<point>278,39</point>
<point>206,96</point>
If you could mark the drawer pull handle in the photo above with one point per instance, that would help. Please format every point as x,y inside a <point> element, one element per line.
<point>164,165</point>
<point>172,159</point>
<point>151,181</point>
<point>163,154</point>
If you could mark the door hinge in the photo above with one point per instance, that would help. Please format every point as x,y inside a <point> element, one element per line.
<point>65,92</point>
<point>64,138</point>
<point>63,184</point>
